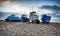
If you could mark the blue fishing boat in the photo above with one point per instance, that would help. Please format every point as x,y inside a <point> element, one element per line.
<point>45,18</point>
<point>24,18</point>
<point>13,18</point>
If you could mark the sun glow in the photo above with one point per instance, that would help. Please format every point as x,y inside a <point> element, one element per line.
<point>9,6</point>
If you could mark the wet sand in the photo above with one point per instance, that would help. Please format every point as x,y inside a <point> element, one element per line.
<point>29,29</point>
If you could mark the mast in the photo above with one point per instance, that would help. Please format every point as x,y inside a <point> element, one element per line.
<point>32,8</point>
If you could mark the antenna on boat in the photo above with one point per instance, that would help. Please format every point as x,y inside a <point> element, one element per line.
<point>32,8</point>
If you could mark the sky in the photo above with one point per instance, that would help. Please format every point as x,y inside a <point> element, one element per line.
<point>18,7</point>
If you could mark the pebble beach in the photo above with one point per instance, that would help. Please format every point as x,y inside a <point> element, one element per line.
<point>29,29</point>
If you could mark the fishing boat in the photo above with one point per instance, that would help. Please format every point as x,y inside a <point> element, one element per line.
<point>33,17</point>
<point>24,18</point>
<point>13,18</point>
<point>45,18</point>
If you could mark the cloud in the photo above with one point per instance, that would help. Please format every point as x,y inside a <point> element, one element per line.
<point>55,14</point>
<point>53,8</point>
<point>3,15</point>
<point>40,0</point>
<point>3,0</point>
